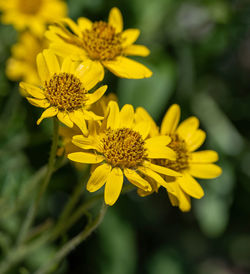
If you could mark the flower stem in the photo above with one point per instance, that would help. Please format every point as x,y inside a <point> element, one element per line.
<point>33,209</point>
<point>74,242</point>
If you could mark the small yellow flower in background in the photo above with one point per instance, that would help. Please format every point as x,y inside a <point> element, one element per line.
<point>186,139</point>
<point>104,43</point>
<point>119,146</point>
<point>32,14</point>
<point>64,90</point>
<point>22,64</point>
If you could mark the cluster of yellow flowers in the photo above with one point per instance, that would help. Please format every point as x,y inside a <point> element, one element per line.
<point>117,142</point>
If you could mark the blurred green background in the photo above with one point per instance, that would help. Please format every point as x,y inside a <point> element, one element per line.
<point>200,56</point>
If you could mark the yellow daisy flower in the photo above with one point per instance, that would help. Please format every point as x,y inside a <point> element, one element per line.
<point>64,90</point>
<point>120,147</point>
<point>104,43</point>
<point>32,14</point>
<point>22,64</point>
<point>186,139</point>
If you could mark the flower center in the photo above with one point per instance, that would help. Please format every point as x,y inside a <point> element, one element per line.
<point>101,42</point>
<point>179,146</point>
<point>29,6</point>
<point>65,92</point>
<point>123,147</point>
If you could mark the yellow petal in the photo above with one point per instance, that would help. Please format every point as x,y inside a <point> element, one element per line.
<point>84,23</point>
<point>65,49</point>
<point>41,103</point>
<point>126,68</point>
<point>98,177</point>
<point>85,142</point>
<point>73,26</point>
<point>187,128</point>
<point>113,186</point>
<point>51,61</point>
<point>90,73</point>
<point>143,128</point>
<point>184,201</point>
<point>158,141</point>
<point>95,96</point>
<point>191,186</point>
<point>137,180</point>
<point>42,68</point>
<point>115,19</point>
<point>113,120</point>
<point>205,171</point>
<point>127,115</point>
<point>64,118</point>
<point>33,90</point>
<point>196,140</point>
<point>85,157</point>
<point>137,50</point>
<point>68,65</point>
<point>174,201</point>
<point>171,120</point>
<point>129,36</point>
<point>205,156</point>
<point>89,115</point>
<point>49,112</point>
<point>161,169</point>
<point>160,152</point>
<point>77,117</point>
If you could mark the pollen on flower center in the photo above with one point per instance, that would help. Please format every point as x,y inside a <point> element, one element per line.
<point>29,6</point>
<point>65,92</point>
<point>102,42</point>
<point>179,146</point>
<point>123,147</point>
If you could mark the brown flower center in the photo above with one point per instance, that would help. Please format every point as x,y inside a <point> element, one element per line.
<point>179,146</point>
<point>29,6</point>
<point>65,92</point>
<point>101,42</point>
<point>124,148</point>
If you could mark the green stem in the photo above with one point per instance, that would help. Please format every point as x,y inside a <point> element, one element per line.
<point>73,243</point>
<point>33,209</point>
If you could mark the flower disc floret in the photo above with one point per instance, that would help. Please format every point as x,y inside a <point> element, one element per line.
<point>102,42</point>
<point>124,148</point>
<point>65,91</point>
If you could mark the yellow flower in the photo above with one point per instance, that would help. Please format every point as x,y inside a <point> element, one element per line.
<point>22,64</point>
<point>104,43</point>
<point>186,139</point>
<point>64,90</point>
<point>32,14</point>
<point>119,146</point>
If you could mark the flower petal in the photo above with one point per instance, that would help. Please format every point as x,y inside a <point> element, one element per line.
<point>77,117</point>
<point>41,103</point>
<point>85,157</point>
<point>115,19</point>
<point>158,141</point>
<point>85,142</point>
<point>196,140</point>
<point>68,66</point>
<point>205,156</point>
<point>90,73</point>
<point>98,177</point>
<point>64,118</point>
<point>160,152</point>
<point>113,120</point>
<point>113,186</point>
<point>127,115</point>
<point>205,171</point>
<point>184,201</point>
<point>171,120</point>
<point>137,50</point>
<point>187,128</point>
<point>49,112</point>
<point>65,49</point>
<point>129,36</point>
<point>33,90</point>
<point>137,180</point>
<point>161,169</point>
<point>191,186</point>
<point>42,68</point>
<point>73,26</point>
<point>143,128</point>
<point>95,96</point>
<point>84,23</point>
<point>51,61</point>
<point>126,68</point>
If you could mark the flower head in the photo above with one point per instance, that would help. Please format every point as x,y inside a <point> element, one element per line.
<point>103,42</point>
<point>186,139</point>
<point>32,14</point>
<point>64,90</point>
<point>120,146</point>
